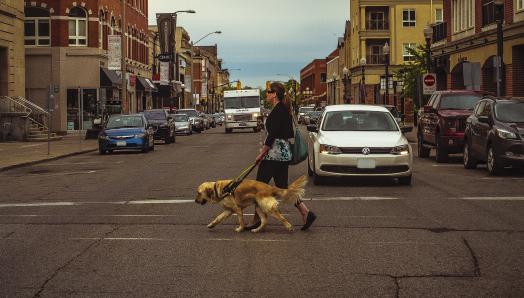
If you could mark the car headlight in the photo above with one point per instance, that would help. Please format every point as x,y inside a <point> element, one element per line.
<point>103,137</point>
<point>229,117</point>
<point>504,134</point>
<point>328,149</point>
<point>400,150</point>
<point>140,135</point>
<point>255,115</point>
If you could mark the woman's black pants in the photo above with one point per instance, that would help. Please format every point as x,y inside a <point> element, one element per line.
<point>276,170</point>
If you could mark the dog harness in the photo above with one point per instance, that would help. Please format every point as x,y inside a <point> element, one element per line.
<point>230,188</point>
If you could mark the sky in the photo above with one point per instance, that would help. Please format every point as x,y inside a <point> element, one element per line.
<point>265,39</point>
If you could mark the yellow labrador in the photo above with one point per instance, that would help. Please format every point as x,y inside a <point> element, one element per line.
<point>249,192</point>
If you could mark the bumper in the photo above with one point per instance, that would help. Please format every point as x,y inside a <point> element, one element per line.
<point>379,165</point>
<point>124,144</point>
<point>183,130</point>
<point>246,124</point>
<point>453,143</point>
<point>161,133</point>
<point>510,152</point>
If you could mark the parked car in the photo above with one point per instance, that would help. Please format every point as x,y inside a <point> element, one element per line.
<point>219,120</point>
<point>182,124</point>
<point>302,112</point>
<point>495,134</point>
<point>162,123</point>
<point>206,122</point>
<point>442,122</point>
<point>358,140</point>
<point>212,122</point>
<point>398,116</point>
<point>196,121</point>
<point>126,132</point>
<point>312,117</point>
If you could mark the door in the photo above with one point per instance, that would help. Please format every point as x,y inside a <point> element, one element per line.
<point>73,109</point>
<point>474,131</point>
<point>483,129</point>
<point>89,107</point>
<point>81,108</point>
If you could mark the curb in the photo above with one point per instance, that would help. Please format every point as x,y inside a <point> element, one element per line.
<point>30,163</point>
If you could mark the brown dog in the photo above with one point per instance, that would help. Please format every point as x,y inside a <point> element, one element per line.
<point>249,192</point>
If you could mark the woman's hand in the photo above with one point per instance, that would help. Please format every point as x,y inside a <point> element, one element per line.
<point>262,153</point>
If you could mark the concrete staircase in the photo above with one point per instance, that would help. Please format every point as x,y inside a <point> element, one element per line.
<point>37,133</point>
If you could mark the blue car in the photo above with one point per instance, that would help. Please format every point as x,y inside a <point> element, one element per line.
<point>126,132</point>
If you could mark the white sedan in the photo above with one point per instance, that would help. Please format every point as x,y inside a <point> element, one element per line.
<point>359,140</point>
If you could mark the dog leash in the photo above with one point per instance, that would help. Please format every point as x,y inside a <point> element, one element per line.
<point>232,186</point>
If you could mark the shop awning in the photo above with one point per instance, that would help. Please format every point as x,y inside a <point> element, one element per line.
<point>146,85</point>
<point>109,78</point>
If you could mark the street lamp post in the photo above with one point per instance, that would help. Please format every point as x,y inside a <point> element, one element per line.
<point>362,96</point>
<point>499,60</point>
<point>345,71</point>
<point>385,49</point>
<point>428,34</point>
<point>334,88</point>
<point>176,62</point>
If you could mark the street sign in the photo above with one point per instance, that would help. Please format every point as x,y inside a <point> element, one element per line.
<point>429,83</point>
<point>165,57</point>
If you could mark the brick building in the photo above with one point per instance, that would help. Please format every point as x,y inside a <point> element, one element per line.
<point>12,70</point>
<point>313,81</point>
<point>465,46</point>
<point>66,45</point>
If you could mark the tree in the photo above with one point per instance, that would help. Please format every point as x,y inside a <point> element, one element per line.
<point>411,73</point>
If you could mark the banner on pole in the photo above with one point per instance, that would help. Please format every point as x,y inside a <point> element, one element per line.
<point>114,52</point>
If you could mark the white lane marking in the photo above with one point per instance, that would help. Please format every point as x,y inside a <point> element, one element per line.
<point>248,240</point>
<point>402,243</point>
<point>124,239</point>
<point>350,199</point>
<point>493,198</point>
<point>502,178</point>
<point>38,204</point>
<point>94,215</point>
<point>140,202</point>
<point>448,165</point>
<point>34,145</point>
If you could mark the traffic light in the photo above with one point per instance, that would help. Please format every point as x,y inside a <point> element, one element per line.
<point>239,85</point>
<point>268,85</point>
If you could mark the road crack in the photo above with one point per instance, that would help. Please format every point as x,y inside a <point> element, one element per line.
<point>8,235</point>
<point>476,271</point>
<point>81,253</point>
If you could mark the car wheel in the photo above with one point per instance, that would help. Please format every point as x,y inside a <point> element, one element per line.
<point>405,180</point>
<point>441,154</point>
<point>101,151</point>
<point>167,140</point>
<point>423,152</point>
<point>494,167</point>
<point>146,148</point>
<point>229,130</point>
<point>309,170</point>
<point>469,161</point>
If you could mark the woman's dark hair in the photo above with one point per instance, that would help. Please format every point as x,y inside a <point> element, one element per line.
<point>280,91</point>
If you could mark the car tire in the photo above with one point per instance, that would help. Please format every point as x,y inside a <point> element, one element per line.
<point>146,148</point>
<point>101,151</point>
<point>469,161</point>
<point>441,154</point>
<point>493,165</point>
<point>423,152</point>
<point>173,138</point>
<point>309,170</point>
<point>229,130</point>
<point>405,180</point>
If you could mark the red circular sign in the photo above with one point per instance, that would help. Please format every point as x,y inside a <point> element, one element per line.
<point>429,80</point>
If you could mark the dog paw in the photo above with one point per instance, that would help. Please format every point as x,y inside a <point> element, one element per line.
<point>239,229</point>
<point>255,230</point>
<point>291,229</point>
<point>210,226</point>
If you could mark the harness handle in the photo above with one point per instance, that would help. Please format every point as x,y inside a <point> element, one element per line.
<point>232,186</point>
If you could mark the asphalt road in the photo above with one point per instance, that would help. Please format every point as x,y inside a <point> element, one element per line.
<point>126,225</point>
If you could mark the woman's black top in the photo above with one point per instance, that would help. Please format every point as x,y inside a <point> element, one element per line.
<point>279,124</point>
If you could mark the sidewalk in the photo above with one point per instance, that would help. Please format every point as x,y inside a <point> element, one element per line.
<point>14,154</point>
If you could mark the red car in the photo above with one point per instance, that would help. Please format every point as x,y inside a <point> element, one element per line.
<point>442,122</point>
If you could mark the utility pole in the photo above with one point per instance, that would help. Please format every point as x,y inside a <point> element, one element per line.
<point>123,48</point>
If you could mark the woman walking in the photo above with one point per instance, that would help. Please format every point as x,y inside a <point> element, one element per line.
<point>275,155</point>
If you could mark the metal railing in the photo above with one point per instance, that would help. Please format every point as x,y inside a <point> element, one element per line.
<point>439,32</point>
<point>377,25</point>
<point>24,108</point>
<point>375,59</point>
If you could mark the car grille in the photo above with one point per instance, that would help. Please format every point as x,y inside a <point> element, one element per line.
<point>461,125</point>
<point>516,149</point>
<point>243,117</point>
<point>121,137</point>
<point>358,150</point>
<point>355,170</point>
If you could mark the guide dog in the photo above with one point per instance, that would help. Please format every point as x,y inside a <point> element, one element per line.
<point>250,192</point>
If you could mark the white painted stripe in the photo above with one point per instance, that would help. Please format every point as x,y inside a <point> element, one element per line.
<point>448,165</point>
<point>502,178</point>
<point>159,202</point>
<point>402,243</point>
<point>94,215</point>
<point>124,239</point>
<point>493,198</point>
<point>37,204</point>
<point>34,145</point>
<point>249,240</point>
<point>350,199</point>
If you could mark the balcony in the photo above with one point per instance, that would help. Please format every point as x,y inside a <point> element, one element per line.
<point>377,25</point>
<point>374,59</point>
<point>440,32</point>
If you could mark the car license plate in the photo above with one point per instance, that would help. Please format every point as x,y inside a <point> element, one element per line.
<point>242,124</point>
<point>366,164</point>
<point>121,143</point>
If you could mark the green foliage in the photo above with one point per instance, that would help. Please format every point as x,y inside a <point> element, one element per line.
<point>413,71</point>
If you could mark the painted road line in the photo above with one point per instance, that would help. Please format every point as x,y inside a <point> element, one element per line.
<point>403,243</point>
<point>447,165</point>
<point>34,145</point>
<point>493,198</point>
<point>248,240</point>
<point>142,202</point>
<point>350,199</point>
<point>124,239</point>
<point>502,178</point>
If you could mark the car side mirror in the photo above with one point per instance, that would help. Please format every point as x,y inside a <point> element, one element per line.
<point>483,119</point>
<point>406,129</point>
<point>428,109</point>
<point>312,128</point>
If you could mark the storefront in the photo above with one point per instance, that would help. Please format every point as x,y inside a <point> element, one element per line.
<point>144,90</point>
<point>82,108</point>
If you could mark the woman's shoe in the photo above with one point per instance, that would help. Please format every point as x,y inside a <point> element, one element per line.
<point>309,220</point>
<point>253,226</point>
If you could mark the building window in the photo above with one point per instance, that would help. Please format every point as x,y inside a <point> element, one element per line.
<point>101,25</point>
<point>488,12</point>
<point>37,27</point>
<point>409,18</point>
<point>323,78</point>
<point>463,15</point>
<point>439,15</point>
<point>406,54</point>
<point>520,4</point>
<point>77,27</point>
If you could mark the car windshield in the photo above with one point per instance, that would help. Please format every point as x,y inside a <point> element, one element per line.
<point>125,122</point>
<point>190,113</point>
<point>155,115</point>
<point>305,109</point>
<point>393,111</point>
<point>241,102</point>
<point>181,118</point>
<point>510,112</point>
<point>359,121</point>
<point>459,102</point>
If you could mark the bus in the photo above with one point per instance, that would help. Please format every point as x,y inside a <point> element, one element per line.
<point>242,110</point>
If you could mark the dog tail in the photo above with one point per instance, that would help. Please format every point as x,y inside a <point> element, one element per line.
<point>295,191</point>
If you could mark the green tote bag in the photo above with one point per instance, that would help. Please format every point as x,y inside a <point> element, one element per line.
<point>299,147</point>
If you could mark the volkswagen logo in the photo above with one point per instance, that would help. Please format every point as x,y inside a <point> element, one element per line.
<point>366,151</point>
